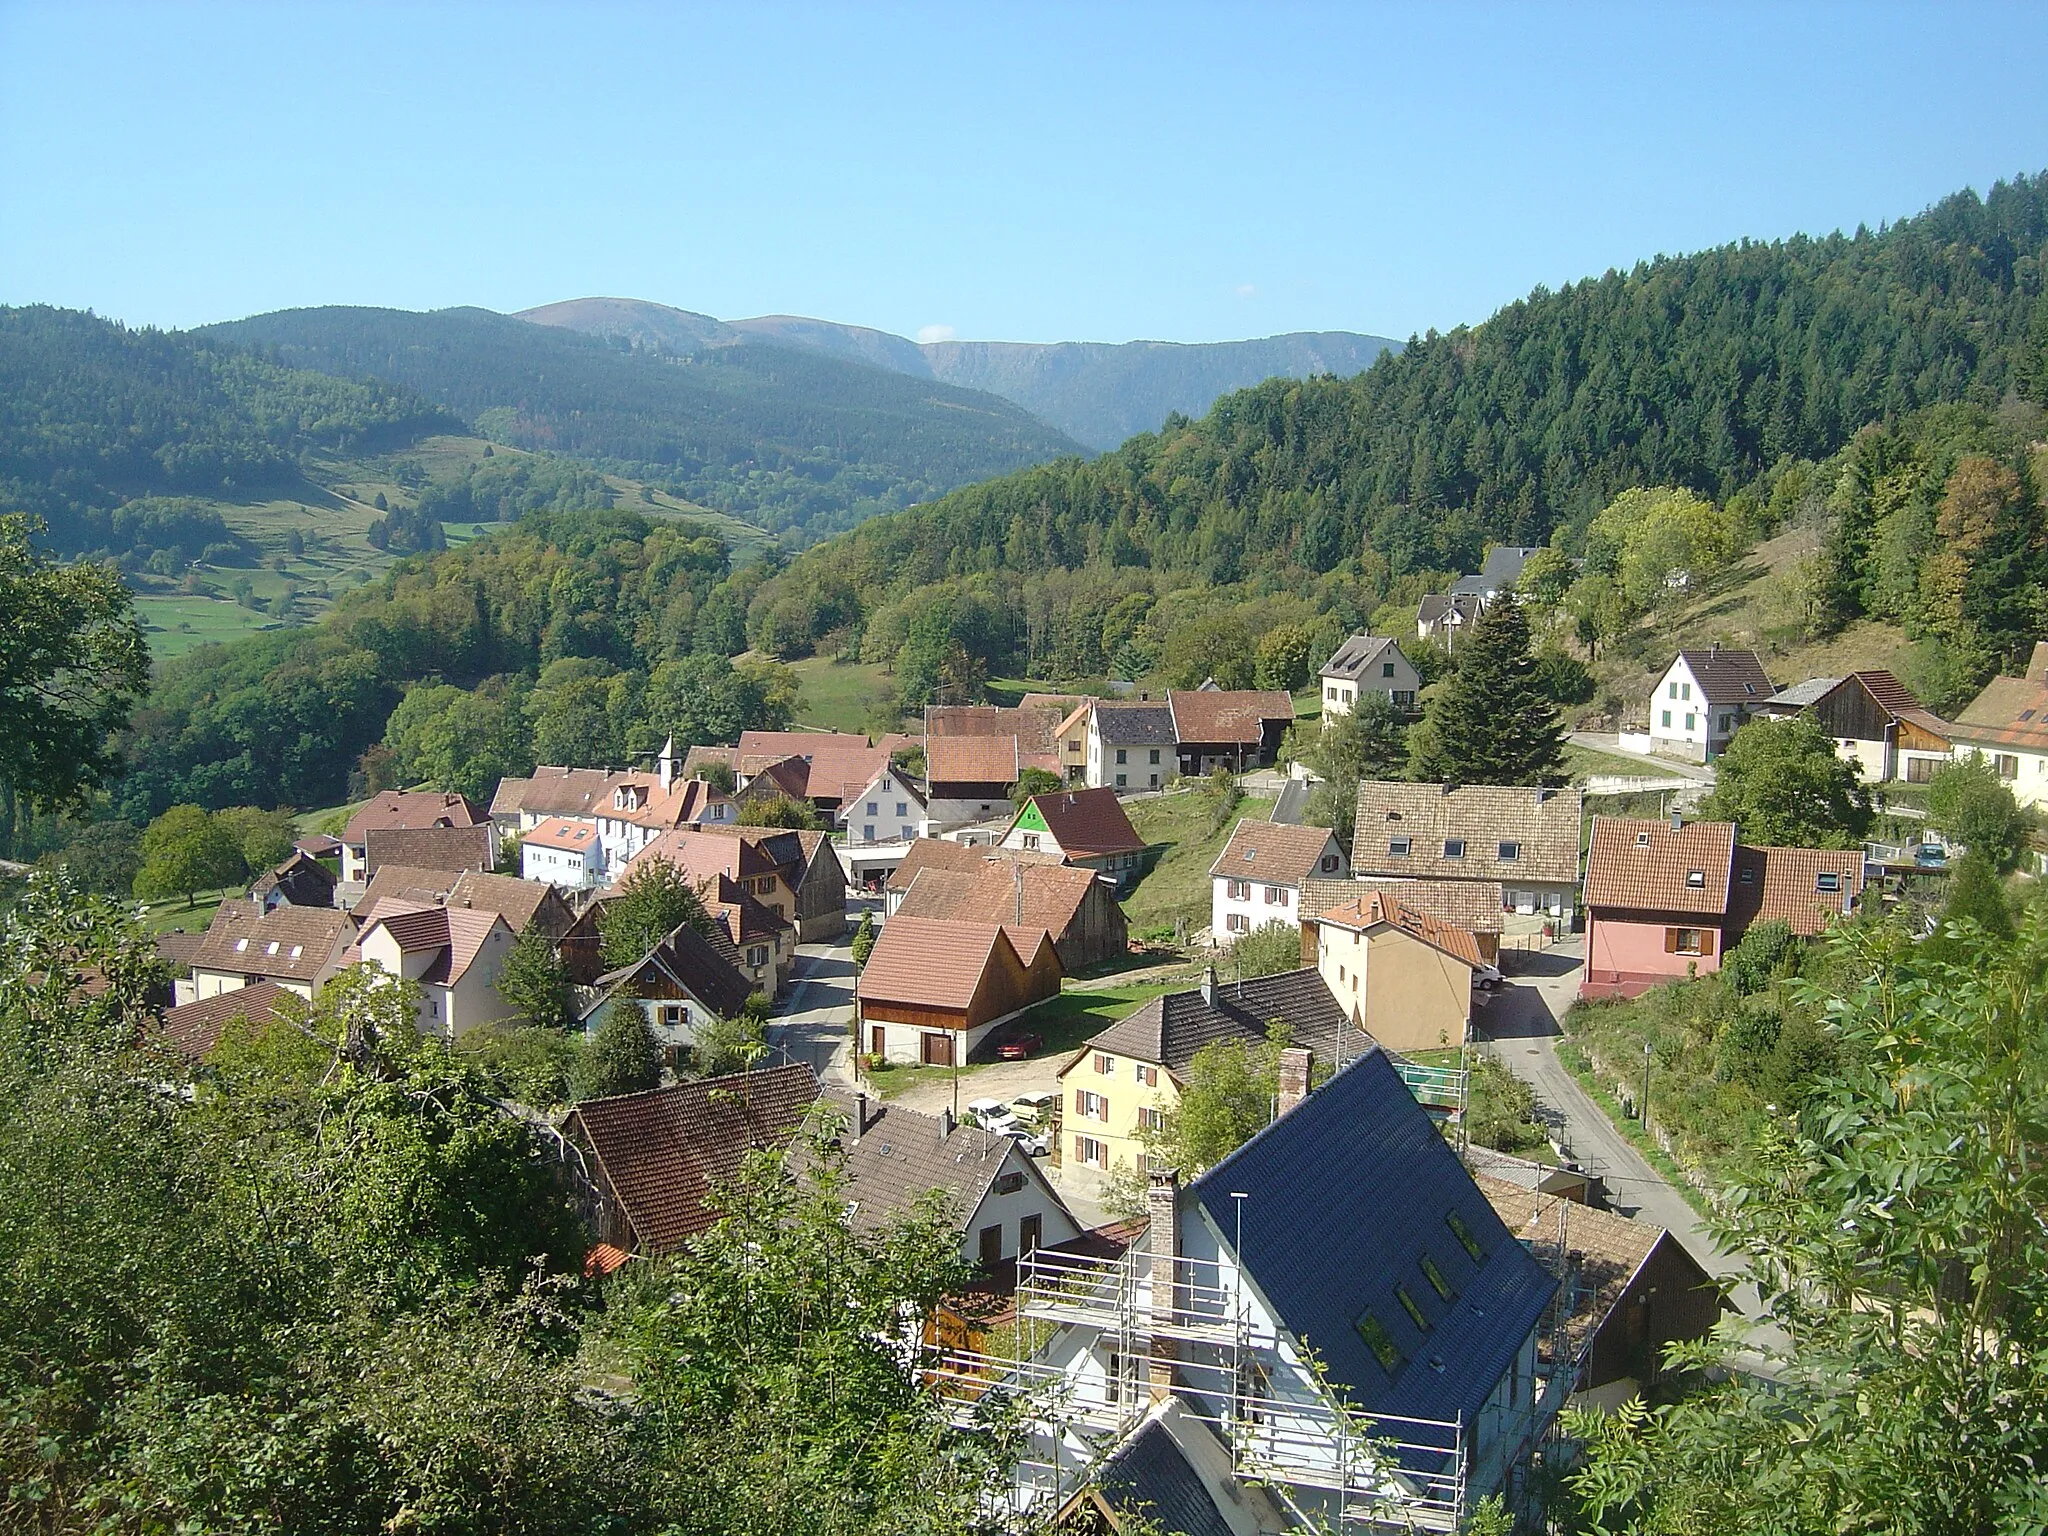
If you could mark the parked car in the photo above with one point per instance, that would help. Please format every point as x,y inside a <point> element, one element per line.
<point>1486,976</point>
<point>993,1116</point>
<point>1034,1109</point>
<point>1017,1047</point>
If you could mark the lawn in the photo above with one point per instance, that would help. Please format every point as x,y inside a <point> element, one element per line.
<point>838,695</point>
<point>1581,763</point>
<point>1176,888</point>
<point>175,625</point>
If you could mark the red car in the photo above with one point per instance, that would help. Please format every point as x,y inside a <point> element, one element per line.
<point>1017,1047</point>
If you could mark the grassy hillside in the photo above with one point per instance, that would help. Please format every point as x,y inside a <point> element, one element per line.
<point>792,439</point>
<point>1176,888</point>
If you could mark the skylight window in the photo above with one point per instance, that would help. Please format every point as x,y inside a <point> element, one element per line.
<point>1464,1236</point>
<point>270,948</point>
<point>1454,847</point>
<point>1695,879</point>
<point>1399,847</point>
<point>1380,1342</point>
<point>1435,1277</point>
<point>1509,852</point>
<point>1642,839</point>
<point>1827,881</point>
<point>1749,877</point>
<point>1408,1305</point>
<point>240,945</point>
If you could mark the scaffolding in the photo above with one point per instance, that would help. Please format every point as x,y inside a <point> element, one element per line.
<point>1093,1343</point>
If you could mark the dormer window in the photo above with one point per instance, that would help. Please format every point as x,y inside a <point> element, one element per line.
<point>1695,879</point>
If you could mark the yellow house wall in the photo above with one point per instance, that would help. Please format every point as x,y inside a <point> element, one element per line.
<point>1408,995</point>
<point>1126,1096</point>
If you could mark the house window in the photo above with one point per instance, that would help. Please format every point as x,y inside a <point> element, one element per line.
<point>1509,852</point>
<point>758,955</point>
<point>1122,781</point>
<point>867,834</point>
<point>1673,694</point>
<point>1408,1305</point>
<point>1090,1106</point>
<point>1009,1183</point>
<point>1435,1277</point>
<point>1404,698</point>
<point>1148,1075</point>
<point>902,808</point>
<point>1238,890</point>
<point>1686,941</point>
<point>1120,756</point>
<point>1689,717</point>
<point>1463,1234</point>
<point>1031,842</point>
<point>1276,895</point>
<point>1727,724</point>
<point>1155,754</point>
<point>907,833</point>
<point>1090,1153</point>
<point>1667,720</point>
<point>1152,1119</point>
<point>1398,847</point>
<point>1329,695</point>
<point>1329,863</point>
<point>1379,1341</point>
<point>1695,879</point>
<point>1386,669</point>
<point>1919,770</point>
<point>1237,922</point>
<point>1685,691</point>
<point>1827,881</point>
<point>1454,847</point>
<point>875,809</point>
<point>1104,1065</point>
<point>1749,876</point>
<point>2007,765</point>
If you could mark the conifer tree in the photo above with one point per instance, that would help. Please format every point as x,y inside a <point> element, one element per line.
<point>1491,723</point>
<point>622,1057</point>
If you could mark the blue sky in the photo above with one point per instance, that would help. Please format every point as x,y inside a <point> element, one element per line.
<point>1031,172</point>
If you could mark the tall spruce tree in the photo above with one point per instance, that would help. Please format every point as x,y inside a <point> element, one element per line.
<point>1491,723</point>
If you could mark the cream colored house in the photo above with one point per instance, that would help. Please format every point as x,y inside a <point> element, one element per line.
<point>1122,1082</point>
<point>299,948</point>
<point>1404,978</point>
<point>453,953</point>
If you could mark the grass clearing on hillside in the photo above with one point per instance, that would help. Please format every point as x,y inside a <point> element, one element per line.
<point>175,625</point>
<point>838,695</point>
<point>1176,888</point>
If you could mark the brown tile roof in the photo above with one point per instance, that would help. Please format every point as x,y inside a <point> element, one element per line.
<point>1088,822</point>
<point>318,845</point>
<point>407,882</point>
<point>1169,1030</point>
<point>832,761</point>
<point>701,853</point>
<point>1645,866</point>
<point>930,962</point>
<point>519,902</point>
<point>1370,911</point>
<point>471,847</point>
<point>396,808</point>
<point>458,932</point>
<point>287,944</point>
<point>1785,884</point>
<point>663,1152</point>
<point>744,916</point>
<point>1729,677</point>
<point>2011,711</point>
<point>1542,823</point>
<point>937,853</point>
<point>1034,728</point>
<point>178,949</point>
<point>972,760</point>
<point>562,833</point>
<point>697,759</point>
<point>1213,715</point>
<point>904,1155</point>
<point>769,776</point>
<point>1028,896</point>
<point>194,1029</point>
<point>1274,853</point>
<point>705,968</point>
<point>1473,905</point>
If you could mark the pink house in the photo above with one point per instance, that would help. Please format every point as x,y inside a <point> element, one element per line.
<point>1667,900</point>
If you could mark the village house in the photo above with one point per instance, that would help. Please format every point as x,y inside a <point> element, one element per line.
<point>1129,744</point>
<point>1123,1081</point>
<point>558,851</point>
<point>628,810</point>
<point>1631,1286</point>
<point>1346,1227</point>
<point>933,992</point>
<point>1405,978</point>
<point>831,767</point>
<point>762,941</point>
<point>474,847</point>
<point>193,1029</point>
<point>1237,729</point>
<point>300,881</point>
<point>1877,724</point>
<point>1086,828</point>
<point>796,875</point>
<point>407,809</point>
<point>1703,699</point>
<point>1470,906</point>
<point>522,903</point>
<point>1258,877</point>
<point>1445,616</point>
<point>1367,664</point>
<point>453,954</point>
<point>2007,725</point>
<point>1076,908</point>
<point>968,778</point>
<point>647,1163</point>
<point>1665,901</point>
<point>1003,1204</point>
<point>1526,841</point>
<point>683,984</point>
<point>881,821</point>
<point>299,948</point>
<point>956,857</point>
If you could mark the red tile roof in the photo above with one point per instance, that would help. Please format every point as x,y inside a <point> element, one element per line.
<point>194,1029</point>
<point>932,963</point>
<point>1088,822</point>
<point>1030,896</point>
<point>972,760</point>
<point>1645,866</point>
<point>662,1153</point>
<point>393,808</point>
<point>1786,884</point>
<point>1380,907</point>
<point>1276,853</point>
<point>1206,716</point>
<point>564,834</point>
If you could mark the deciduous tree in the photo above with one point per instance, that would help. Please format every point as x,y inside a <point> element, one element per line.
<point>1783,783</point>
<point>186,850</point>
<point>654,900</point>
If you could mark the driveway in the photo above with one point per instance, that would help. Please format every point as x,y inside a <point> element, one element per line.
<point>1520,1027</point>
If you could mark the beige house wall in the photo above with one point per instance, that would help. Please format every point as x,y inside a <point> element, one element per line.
<point>1408,995</point>
<point>1126,1096</point>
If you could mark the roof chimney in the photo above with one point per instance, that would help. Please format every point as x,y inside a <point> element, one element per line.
<point>1677,821</point>
<point>1293,1074</point>
<point>946,1123</point>
<point>1209,985</point>
<point>1162,1248</point>
<point>860,1116</point>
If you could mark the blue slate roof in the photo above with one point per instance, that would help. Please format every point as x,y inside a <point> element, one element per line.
<point>1346,1194</point>
<point>1148,1475</point>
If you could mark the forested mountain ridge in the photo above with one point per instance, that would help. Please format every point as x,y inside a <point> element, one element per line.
<point>1099,393</point>
<point>779,436</point>
<point>104,429</point>
<point>1707,371</point>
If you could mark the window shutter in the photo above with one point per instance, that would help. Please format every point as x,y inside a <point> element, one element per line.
<point>1706,941</point>
<point>1670,941</point>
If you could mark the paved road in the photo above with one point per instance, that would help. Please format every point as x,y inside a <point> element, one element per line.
<point>811,1024</point>
<point>1292,805</point>
<point>1521,1026</point>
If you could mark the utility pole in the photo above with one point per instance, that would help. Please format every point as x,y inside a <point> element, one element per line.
<point>1643,1104</point>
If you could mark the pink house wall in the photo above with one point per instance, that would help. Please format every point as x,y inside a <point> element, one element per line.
<point>1625,957</point>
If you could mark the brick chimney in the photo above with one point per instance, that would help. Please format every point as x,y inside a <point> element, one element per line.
<point>946,1123</point>
<point>1162,1208</point>
<point>1294,1075</point>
